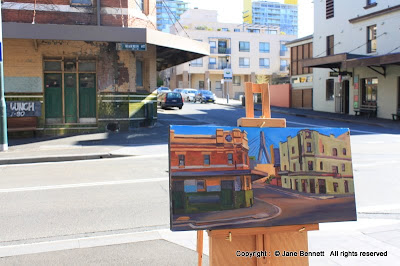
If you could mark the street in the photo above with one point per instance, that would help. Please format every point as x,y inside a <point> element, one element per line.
<point>50,202</point>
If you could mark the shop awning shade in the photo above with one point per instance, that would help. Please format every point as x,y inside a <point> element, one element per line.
<point>172,50</point>
<point>343,61</point>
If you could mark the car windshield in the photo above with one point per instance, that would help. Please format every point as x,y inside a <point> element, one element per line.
<point>164,89</point>
<point>173,95</point>
<point>206,92</point>
<point>191,91</point>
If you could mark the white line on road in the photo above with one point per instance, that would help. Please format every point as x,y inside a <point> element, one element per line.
<point>106,183</point>
<point>351,130</point>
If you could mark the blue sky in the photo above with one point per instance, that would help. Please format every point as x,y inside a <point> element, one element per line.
<point>230,11</point>
<point>273,135</point>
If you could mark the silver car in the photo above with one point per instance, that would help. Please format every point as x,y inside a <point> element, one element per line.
<point>188,94</point>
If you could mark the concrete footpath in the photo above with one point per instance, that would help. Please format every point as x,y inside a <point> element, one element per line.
<point>376,231</point>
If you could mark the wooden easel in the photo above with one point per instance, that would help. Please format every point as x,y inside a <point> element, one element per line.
<point>225,243</point>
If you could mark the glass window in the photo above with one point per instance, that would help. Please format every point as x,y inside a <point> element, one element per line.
<point>224,29</point>
<point>244,62</point>
<point>370,2</point>
<point>236,80</point>
<point>264,62</point>
<point>284,65</point>
<point>139,73</point>
<point>230,158</point>
<point>370,91</point>
<point>330,87</point>
<point>197,63</point>
<point>206,159</point>
<point>52,65</point>
<point>264,47</point>
<point>70,65</point>
<point>330,43</point>
<point>213,44</point>
<point>87,66</point>
<point>201,84</point>
<point>244,46</point>
<point>213,60</point>
<point>81,2</point>
<point>371,39</point>
<point>283,47</point>
<point>236,30</point>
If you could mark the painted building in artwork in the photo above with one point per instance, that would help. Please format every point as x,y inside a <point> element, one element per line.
<point>315,163</point>
<point>210,172</point>
<point>85,65</point>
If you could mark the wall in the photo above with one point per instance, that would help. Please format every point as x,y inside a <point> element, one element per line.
<point>280,95</point>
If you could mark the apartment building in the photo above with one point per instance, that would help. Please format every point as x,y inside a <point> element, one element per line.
<point>356,57</point>
<point>168,12</point>
<point>251,53</point>
<point>85,65</point>
<point>301,78</point>
<point>274,14</point>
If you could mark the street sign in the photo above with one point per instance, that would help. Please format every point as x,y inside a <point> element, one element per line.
<point>131,46</point>
<point>228,74</point>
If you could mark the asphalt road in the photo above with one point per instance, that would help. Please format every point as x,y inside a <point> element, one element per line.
<point>57,201</point>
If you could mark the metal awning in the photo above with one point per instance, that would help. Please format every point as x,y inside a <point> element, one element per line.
<point>377,61</point>
<point>331,61</point>
<point>171,49</point>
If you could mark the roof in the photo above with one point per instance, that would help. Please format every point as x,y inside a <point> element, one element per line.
<point>308,37</point>
<point>171,49</point>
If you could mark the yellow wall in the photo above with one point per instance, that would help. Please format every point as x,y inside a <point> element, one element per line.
<point>247,11</point>
<point>291,2</point>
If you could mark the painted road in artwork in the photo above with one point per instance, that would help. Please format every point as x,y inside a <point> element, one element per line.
<point>229,177</point>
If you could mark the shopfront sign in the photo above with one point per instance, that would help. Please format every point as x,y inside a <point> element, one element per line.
<point>131,47</point>
<point>23,109</point>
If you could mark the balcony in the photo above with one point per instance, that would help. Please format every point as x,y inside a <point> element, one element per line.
<point>219,66</point>
<point>282,52</point>
<point>196,64</point>
<point>220,50</point>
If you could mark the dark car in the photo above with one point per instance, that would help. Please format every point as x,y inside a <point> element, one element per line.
<point>204,96</point>
<point>170,99</point>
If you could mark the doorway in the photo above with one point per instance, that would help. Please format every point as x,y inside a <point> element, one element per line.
<point>227,187</point>
<point>345,96</point>
<point>53,97</point>
<point>322,186</point>
<point>312,186</point>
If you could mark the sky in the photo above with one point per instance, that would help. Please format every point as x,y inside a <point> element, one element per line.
<point>230,11</point>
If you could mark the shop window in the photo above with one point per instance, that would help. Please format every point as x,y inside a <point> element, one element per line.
<point>236,30</point>
<point>212,60</point>
<point>70,65</point>
<point>310,166</point>
<point>206,159</point>
<point>330,88</point>
<point>369,91</point>
<point>371,39</point>
<point>181,160</point>
<point>230,158</point>
<point>139,73</point>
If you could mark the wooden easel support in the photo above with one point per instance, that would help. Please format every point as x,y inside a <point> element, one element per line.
<point>225,244</point>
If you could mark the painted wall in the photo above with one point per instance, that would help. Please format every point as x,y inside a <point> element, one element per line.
<point>280,95</point>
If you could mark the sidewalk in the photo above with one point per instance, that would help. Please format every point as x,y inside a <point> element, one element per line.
<point>373,121</point>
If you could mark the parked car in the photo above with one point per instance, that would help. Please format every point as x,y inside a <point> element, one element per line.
<point>163,89</point>
<point>204,96</point>
<point>170,99</point>
<point>188,94</point>
<point>178,90</point>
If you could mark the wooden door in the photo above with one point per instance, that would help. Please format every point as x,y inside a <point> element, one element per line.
<point>70,98</point>
<point>87,95</point>
<point>53,96</point>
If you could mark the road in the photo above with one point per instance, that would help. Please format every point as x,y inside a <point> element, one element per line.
<point>68,200</point>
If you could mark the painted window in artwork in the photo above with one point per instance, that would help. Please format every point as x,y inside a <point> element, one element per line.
<point>335,169</point>
<point>310,166</point>
<point>294,167</point>
<point>285,167</point>
<point>292,150</point>
<point>181,160</point>
<point>285,180</point>
<point>335,187</point>
<point>346,186</point>
<point>321,166</point>
<point>334,152</point>
<point>308,147</point>
<point>323,149</point>
<point>230,158</point>
<point>344,151</point>
<point>343,167</point>
<point>201,185</point>
<point>206,159</point>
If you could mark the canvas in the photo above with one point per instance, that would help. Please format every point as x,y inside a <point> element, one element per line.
<point>238,177</point>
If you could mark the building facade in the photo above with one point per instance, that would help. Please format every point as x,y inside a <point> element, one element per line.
<point>356,57</point>
<point>85,67</point>
<point>274,14</point>
<point>250,53</point>
<point>301,78</point>
<point>315,163</point>
<point>168,12</point>
<point>210,172</point>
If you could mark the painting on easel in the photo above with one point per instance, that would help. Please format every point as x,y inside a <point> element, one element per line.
<point>241,177</point>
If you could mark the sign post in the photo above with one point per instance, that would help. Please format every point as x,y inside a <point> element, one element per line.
<point>228,76</point>
<point>3,111</point>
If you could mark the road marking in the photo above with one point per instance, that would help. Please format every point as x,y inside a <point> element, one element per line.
<point>351,130</point>
<point>95,184</point>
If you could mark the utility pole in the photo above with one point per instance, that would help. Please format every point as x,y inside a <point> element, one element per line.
<point>3,111</point>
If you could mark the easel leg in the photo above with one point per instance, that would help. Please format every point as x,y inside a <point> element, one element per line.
<point>200,247</point>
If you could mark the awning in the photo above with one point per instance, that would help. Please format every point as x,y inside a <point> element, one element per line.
<point>380,60</point>
<point>331,61</point>
<point>171,49</point>
<point>211,173</point>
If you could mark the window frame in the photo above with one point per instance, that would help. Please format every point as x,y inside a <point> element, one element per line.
<point>244,59</point>
<point>264,50</point>
<point>330,45</point>
<point>230,158</point>
<point>205,159</point>
<point>244,49</point>
<point>80,4</point>
<point>371,38</point>
<point>263,60</point>
<point>234,80</point>
<point>181,160</point>
<point>330,91</point>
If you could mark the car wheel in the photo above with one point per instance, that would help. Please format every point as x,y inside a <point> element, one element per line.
<point>180,107</point>
<point>162,106</point>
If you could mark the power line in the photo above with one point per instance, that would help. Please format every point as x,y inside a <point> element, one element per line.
<point>140,7</point>
<point>175,19</point>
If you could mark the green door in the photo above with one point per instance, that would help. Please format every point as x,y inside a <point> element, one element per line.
<point>87,95</point>
<point>53,96</point>
<point>70,98</point>
<point>227,193</point>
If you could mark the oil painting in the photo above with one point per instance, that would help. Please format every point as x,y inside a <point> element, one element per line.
<point>238,177</point>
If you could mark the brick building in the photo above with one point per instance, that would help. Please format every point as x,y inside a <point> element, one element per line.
<point>91,65</point>
<point>210,172</point>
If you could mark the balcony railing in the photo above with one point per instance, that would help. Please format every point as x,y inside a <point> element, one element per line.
<point>284,68</point>
<point>220,50</point>
<point>282,52</point>
<point>196,65</point>
<point>219,66</point>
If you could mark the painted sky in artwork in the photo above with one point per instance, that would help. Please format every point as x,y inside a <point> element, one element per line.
<point>273,135</point>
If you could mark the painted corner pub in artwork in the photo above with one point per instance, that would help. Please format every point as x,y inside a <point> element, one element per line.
<point>210,172</point>
<point>312,162</point>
